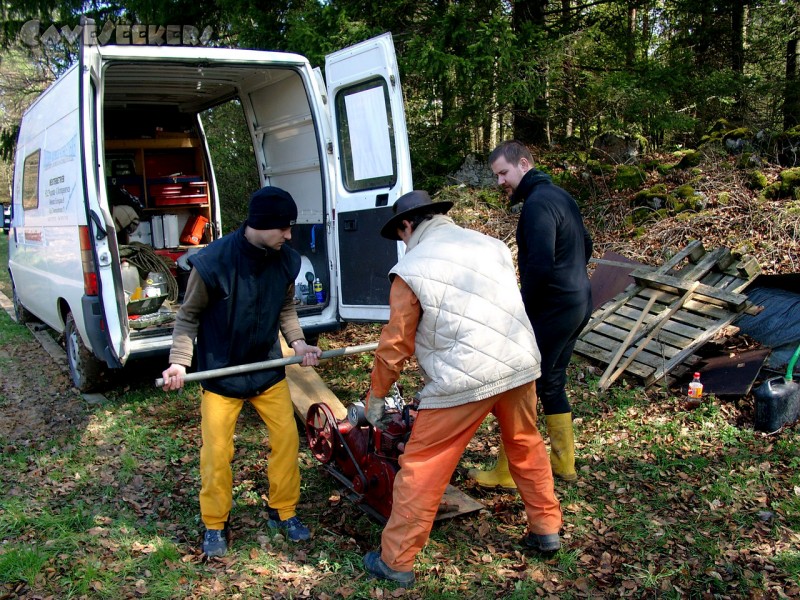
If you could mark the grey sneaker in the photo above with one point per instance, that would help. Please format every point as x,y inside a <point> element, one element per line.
<point>375,566</point>
<point>215,542</point>
<point>548,543</point>
<point>293,526</point>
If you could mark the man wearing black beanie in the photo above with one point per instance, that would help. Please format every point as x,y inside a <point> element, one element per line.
<point>239,296</point>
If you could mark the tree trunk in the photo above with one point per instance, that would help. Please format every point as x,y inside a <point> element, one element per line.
<point>530,122</point>
<point>791,102</point>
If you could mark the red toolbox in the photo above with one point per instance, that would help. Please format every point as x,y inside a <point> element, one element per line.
<point>178,192</point>
<point>193,230</point>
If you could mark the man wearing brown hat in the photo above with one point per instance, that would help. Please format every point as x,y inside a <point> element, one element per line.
<point>240,294</point>
<point>455,304</point>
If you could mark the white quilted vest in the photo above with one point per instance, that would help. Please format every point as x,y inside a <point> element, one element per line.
<point>474,339</point>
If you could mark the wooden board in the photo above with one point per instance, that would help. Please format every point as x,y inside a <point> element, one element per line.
<point>699,292</point>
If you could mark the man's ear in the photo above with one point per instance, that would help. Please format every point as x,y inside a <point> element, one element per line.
<point>525,165</point>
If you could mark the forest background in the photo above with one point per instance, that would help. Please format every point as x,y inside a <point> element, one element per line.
<point>554,74</point>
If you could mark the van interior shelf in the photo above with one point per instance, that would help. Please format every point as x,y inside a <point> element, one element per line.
<point>161,209</point>
<point>166,143</point>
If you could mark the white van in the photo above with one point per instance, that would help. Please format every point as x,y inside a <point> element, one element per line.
<point>129,117</point>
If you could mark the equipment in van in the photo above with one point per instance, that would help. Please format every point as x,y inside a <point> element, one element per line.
<point>129,121</point>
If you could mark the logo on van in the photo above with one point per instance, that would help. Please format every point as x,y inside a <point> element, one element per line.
<point>123,34</point>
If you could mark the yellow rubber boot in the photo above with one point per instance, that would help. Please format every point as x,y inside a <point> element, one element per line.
<point>562,446</point>
<point>497,477</point>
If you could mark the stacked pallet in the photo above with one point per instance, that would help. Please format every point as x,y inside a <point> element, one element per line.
<point>659,321</point>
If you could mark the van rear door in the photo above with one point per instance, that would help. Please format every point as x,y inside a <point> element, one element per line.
<point>98,217</point>
<point>373,168</point>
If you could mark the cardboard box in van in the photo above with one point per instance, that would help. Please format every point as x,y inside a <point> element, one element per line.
<point>131,117</point>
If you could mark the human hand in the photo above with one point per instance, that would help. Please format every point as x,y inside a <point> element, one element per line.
<point>310,354</point>
<point>376,409</point>
<point>173,377</point>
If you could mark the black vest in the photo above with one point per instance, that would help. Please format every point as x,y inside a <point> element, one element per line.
<point>246,290</point>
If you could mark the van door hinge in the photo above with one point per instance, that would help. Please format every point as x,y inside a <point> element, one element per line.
<point>329,147</point>
<point>98,223</point>
<point>392,80</point>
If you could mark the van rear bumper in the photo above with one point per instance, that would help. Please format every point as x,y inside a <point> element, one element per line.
<point>150,346</point>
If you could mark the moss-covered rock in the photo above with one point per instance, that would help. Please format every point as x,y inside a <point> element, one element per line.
<point>627,177</point>
<point>690,158</point>
<point>737,134</point>
<point>788,182</point>
<point>756,180</point>
<point>653,198</point>
<point>724,198</point>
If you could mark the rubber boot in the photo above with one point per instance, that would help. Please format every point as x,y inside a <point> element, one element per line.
<point>562,446</point>
<point>497,477</point>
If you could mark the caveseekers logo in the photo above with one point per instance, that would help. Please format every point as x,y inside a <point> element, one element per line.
<point>138,34</point>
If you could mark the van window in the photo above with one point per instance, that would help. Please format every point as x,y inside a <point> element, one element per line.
<point>366,136</point>
<point>30,181</point>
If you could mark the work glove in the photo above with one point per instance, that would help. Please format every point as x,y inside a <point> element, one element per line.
<point>376,410</point>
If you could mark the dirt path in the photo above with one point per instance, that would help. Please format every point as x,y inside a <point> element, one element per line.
<point>37,400</point>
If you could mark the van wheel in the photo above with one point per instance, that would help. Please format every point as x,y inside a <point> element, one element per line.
<point>22,314</point>
<point>84,368</point>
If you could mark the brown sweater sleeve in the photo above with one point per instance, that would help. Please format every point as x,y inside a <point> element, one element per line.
<point>187,320</point>
<point>289,323</point>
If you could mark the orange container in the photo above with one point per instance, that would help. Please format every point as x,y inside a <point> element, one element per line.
<point>193,230</point>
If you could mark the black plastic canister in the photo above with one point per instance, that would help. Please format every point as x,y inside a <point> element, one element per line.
<point>777,400</point>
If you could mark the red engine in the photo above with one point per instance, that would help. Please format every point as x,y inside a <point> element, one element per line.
<point>361,457</point>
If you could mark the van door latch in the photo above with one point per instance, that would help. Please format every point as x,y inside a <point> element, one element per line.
<point>101,231</point>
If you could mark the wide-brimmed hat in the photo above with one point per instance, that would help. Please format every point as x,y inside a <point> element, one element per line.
<point>408,205</point>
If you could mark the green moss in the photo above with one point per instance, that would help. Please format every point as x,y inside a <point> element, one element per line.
<point>788,182</point>
<point>738,133</point>
<point>793,209</point>
<point>724,198</point>
<point>650,165</point>
<point>628,177</point>
<point>790,178</point>
<point>691,158</point>
<point>654,196</point>
<point>772,191</point>
<point>684,191</point>
<point>756,180</point>
<point>664,169</point>
<point>720,126</point>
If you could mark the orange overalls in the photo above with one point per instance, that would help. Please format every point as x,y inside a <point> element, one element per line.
<point>439,438</point>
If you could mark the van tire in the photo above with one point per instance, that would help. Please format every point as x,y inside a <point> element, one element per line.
<point>86,371</point>
<point>22,314</point>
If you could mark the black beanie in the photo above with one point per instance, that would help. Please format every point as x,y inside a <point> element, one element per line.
<point>271,208</point>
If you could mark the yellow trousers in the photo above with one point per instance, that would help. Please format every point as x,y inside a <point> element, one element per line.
<point>219,415</point>
<point>437,442</point>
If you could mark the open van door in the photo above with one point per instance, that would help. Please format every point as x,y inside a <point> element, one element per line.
<point>373,169</point>
<point>114,327</point>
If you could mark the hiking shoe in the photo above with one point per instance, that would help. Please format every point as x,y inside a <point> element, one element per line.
<point>548,543</point>
<point>215,542</point>
<point>293,526</point>
<point>375,566</point>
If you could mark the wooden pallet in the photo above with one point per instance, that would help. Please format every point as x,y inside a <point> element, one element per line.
<point>658,322</point>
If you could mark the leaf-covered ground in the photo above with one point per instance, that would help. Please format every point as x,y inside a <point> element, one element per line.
<point>100,501</point>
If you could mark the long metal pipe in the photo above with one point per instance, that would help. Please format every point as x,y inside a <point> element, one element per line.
<point>270,364</point>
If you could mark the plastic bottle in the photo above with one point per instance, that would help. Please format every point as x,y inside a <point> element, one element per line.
<point>695,395</point>
<point>130,277</point>
<point>318,291</point>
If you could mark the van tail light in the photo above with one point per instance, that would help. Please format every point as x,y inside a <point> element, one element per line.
<point>87,262</point>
